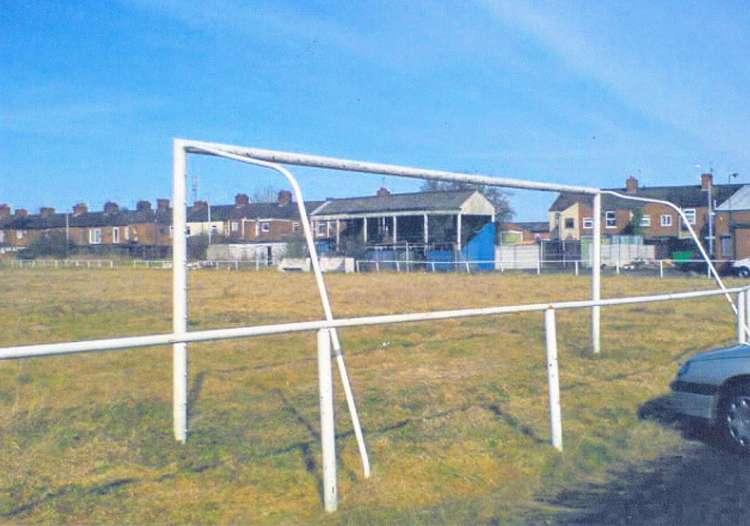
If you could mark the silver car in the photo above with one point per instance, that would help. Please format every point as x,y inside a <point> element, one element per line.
<point>715,386</point>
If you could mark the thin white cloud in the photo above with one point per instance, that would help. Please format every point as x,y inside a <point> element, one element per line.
<point>661,90</point>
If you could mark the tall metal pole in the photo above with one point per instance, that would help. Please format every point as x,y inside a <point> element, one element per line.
<point>179,293</point>
<point>596,268</point>
<point>327,422</point>
<point>553,379</point>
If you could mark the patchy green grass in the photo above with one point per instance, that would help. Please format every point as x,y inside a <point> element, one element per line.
<point>455,413</point>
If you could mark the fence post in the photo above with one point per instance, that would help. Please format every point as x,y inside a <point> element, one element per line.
<point>553,379</point>
<point>398,267</point>
<point>661,268</point>
<point>377,265</point>
<point>741,306</point>
<point>576,266</point>
<point>747,313</point>
<point>327,435</point>
<point>538,266</point>
<point>468,270</point>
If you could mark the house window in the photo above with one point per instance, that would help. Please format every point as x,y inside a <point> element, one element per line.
<point>235,226</point>
<point>187,230</point>
<point>570,222</point>
<point>295,227</point>
<point>610,218</point>
<point>95,236</point>
<point>321,229</point>
<point>666,220</point>
<point>646,220</point>
<point>690,214</point>
<point>19,234</point>
<point>115,234</point>
<point>588,222</point>
<point>126,231</point>
<point>265,227</point>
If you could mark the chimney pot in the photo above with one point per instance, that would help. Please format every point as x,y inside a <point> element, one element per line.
<point>285,197</point>
<point>707,181</point>
<point>46,212</point>
<point>80,209</point>
<point>162,204</point>
<point>382,192</point>
<point>111,208</point>
<point>199,205</point>
<point>4,211</point>
<point>631,185</point>
<point>143,206</point>
<point>21,212</point>
<point>241,200</point>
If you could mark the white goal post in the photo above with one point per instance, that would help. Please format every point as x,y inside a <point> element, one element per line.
<point>327,335</point>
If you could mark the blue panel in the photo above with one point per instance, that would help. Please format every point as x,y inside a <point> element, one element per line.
<point>482,248</point>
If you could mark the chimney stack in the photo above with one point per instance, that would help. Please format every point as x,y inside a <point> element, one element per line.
<point>285,197</point>
<point>46,212</point>
<point>707,181</point>
<point>162,204</point>
<point>80,209</point>
<point>241,200</point>
<point>21,212</point>
<point>200,205</point>
<point>4,211</point>
<point>111,208</point>
<point>382,192</point>
<point>143,206</point>
<point>631,185</point>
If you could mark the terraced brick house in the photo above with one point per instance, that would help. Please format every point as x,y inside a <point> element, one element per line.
<point>570,216</point>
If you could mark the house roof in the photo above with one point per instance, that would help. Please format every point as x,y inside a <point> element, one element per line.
<point>159,216</point>
<point>249,211</point>
<point>415,201</point>
<point>531,226</point>
<point>740,200</point>
<point>690,196</point>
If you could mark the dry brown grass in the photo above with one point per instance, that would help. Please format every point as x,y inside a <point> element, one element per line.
<point>455,412</point>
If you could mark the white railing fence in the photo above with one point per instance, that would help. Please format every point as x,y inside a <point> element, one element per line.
<point>324,330</point>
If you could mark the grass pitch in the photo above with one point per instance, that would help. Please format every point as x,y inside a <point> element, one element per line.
<point>455,413</point>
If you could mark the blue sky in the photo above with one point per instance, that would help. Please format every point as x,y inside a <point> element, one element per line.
<point>91,93</point>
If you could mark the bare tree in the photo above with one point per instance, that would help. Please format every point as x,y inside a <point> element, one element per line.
<point>498,198</point>
<point>266,194</point>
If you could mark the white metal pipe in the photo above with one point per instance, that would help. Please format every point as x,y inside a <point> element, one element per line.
<point>327,429</point>
<point>685,221</point>
<point>179,293</point>
<point>348,165</point>
<point>323,292</point>
<point>741,317</point>
<point>596,274</point>
<point>131,342</point>
<point>553,379</point>
<point>747,314</point>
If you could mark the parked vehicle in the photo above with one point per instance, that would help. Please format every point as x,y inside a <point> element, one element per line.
<point>715,386</point>
<point>742,267</point>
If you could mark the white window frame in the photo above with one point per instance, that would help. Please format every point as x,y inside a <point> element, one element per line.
<point>126,232</point>
<point>572,220</point>
<point>666,220</point>
<point>610,215</point>
<point>95,236</point>
<point>115,235</point>
<point>19,234</point>
<point>691,215</point>
<point>645,220</point>
<point>321,228</point>
<point>235,226</point>
<point>265,227</point>
<point>295,227</point>
<point>588,223</point>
